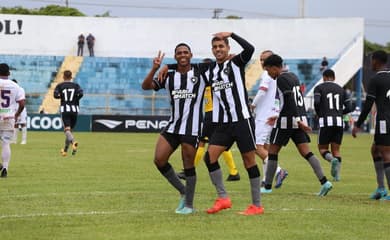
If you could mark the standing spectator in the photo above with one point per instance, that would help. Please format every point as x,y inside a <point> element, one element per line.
<point>266,105</point>
<point>291,124</point>
<point>378,92</point>
<point>70,94</point>
<point>185,87</point>
<point>232,115</point>
<point>80,44</point>
<point>330,103</point>
<point>21,121</point>
<point>324,64</point>
<point>10,109</point>
<point>91,44</point>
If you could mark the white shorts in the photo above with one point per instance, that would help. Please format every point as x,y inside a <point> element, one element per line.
<point>7,136</point>
<point>22,119</point>
<point>263,132</point>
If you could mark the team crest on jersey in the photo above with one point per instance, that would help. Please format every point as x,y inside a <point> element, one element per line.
<point>194,79</point>
<point>227,70</point>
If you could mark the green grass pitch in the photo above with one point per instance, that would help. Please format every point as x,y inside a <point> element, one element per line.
<point>112,190</point>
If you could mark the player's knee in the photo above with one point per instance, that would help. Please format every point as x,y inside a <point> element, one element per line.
<point>210,166</point>
<point>324,153</point>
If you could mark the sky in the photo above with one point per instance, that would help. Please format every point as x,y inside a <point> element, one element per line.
<point>375,12</point>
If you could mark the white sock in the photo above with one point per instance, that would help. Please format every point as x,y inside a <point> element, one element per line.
<point>278,169</point>
<point>5,154</point>
<point>24,134</point>
<point>16,130</point>
<point>265,163</point>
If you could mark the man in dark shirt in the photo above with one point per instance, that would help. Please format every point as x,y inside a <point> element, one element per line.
<point>80,45</point>
<point>70,94</point>
<point>291,123</point>
<point>91,44</point>
<point>330,103</point>
<point>379,93</point>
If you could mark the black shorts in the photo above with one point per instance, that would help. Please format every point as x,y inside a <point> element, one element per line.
<point>69,119</point>
<point>282,136</point>
<point>241,132</point>
<point>175,139</point>
<point>208,127</point>
<point>382,139</point>
<point>327,135</point>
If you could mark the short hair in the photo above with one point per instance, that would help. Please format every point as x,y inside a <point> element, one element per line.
<point>14,80</point>
<point>4,69</point>
<point>67,74</point>
<point>181,45</point>
<point>226,40</point>
<point>329,73</point>
<point>380,56</point>
<point>273,60</point>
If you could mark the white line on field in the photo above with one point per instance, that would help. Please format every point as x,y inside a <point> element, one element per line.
<point>89,213</point>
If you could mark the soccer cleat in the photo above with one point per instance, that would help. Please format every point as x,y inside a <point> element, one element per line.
<point>386,198</point>
<point>378,194</point>
<point>63,152</point>
<point>233,177</point>
<point>185,210</point>
<point>181,175</point>
<point>252,210</point>
<point>181,204</point>
<point>23,142</point>
<point>3,173</point>
<point>280,176</point>
<point>265,190</point>
<point>333,167</point>
<point>220,204</point>
<point>325,188</point>
<point>74,147</point>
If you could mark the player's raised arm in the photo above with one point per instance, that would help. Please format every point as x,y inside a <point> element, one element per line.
<point>148,82</point>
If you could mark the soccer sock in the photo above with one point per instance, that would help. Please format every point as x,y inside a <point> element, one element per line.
<point>271,168</point>
<point>199,155</point>
<point>254,179</point>
<point>265,164</point>
<point>168,172</point>
<point>339,165</point>
<point>380,171</point>
<point>24,134</point>
<point>5,154</point>
<point>316,166</point>
<point>68,139</point>
<point>216,176</point>
<point>15,140</point>
<point>327,156</point>
<point>386,167</point>
<point>190,186</point>
<point>228,157</point>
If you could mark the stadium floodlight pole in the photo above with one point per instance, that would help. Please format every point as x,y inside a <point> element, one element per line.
<point>302,8</point>
<point>217,11</point>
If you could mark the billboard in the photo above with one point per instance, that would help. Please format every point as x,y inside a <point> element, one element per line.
<point>126,123</point>
<point>53,122</point>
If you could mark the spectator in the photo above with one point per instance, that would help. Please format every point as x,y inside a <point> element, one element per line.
<point>324,64</point>
<point>80,44</point>
<point>91,44</point>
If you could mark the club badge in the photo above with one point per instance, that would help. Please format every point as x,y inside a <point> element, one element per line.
<point>194,79</point>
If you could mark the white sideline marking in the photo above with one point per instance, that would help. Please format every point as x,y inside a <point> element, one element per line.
<point>90,213</point>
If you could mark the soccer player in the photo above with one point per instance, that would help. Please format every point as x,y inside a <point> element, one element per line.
<point>378,92</point>
<point>185,88</point>
<point>291,124</point>
<point>21,122</point>
<point>266,105</point>
<point>207,131</point>
<point>232,115</point>
<point>70,94</point>
<point>330,103</point>
<point>12,103</point>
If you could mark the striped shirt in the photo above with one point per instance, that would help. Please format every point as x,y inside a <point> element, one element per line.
<point>186,97</point>
<point>70,94</point>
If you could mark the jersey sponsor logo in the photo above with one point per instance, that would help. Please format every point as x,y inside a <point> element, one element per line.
<point>183,94</point>
<point>109,123</point>
<point>221,85</point>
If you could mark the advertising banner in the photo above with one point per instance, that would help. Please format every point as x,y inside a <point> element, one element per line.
<point>53,122</point>
<point>125,123</point>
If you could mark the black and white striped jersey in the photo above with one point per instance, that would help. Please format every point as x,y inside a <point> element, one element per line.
<point>227,80</point>
<point>186,98</point>
<point>70,94</point>
<point>329,102</point>
<point>292,104</point>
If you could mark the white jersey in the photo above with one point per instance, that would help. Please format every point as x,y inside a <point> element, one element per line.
<point>268,104</point>
<point>10,94</point>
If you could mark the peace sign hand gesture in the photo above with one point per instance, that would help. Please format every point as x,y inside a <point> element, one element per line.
<point>158,60</point>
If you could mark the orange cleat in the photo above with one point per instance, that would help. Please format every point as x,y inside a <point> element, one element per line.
<point>252,210</point>
<point>220,204</point>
